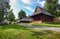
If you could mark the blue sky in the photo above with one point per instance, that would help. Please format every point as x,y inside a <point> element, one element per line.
<point>26,5</point>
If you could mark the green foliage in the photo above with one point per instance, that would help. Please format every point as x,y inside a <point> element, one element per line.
<point>14,31</point>
<point>58,6</point>
<point>1,15</point>
<point>58,15</point>
<point>7,5</point>
<point>58,10</point>
<point>11,16</point>
<point>21,14</point>
<point>3,10</point>
<point>51,6</point>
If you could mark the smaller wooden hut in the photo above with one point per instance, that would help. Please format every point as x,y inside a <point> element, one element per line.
<point>26,20</point>
<point>41,15</point>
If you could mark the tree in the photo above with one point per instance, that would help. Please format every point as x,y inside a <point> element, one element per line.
<point>58,10</point>
<point>1,15</point>
<point>7,8</point>
<point>51,6</point>
<point>7,5</point>
<point>11,16</point>
<point>21,14</point>
<point>58,7</point>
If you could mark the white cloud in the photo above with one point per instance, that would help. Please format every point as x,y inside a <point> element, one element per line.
<point>15,11</point>
<point>59,1</point>
<point>41,2</point>
<point>12,1</point>
<point>13,4</point>
<point>29,8</point>
<point>26,1</point>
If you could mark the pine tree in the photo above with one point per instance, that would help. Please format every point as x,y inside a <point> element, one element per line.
<point>21,14</point>
<point>1,15</point>
<point>11,16</point>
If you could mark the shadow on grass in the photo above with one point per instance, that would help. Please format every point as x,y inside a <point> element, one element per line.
<point>57,23</point>
<point>45,34</point>
<point>38,34</point>
<point>12,26</point>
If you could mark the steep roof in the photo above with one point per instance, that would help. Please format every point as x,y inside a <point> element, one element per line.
<point>40,10</point>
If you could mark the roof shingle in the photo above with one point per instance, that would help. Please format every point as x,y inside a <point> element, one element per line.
<point>40,10</point>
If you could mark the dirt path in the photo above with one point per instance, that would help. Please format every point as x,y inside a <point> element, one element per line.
<point>41,27</point>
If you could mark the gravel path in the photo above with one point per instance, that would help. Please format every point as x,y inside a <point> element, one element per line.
<point>41,27</point>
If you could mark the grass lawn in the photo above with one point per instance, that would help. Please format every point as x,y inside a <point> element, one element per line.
<point>14,31</point>
<point>46,24</point>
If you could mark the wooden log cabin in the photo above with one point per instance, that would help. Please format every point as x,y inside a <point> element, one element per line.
<point>41,15</point>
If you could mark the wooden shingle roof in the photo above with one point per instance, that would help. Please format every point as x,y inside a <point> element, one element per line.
<point>26,19</point>
<point>40,10</point>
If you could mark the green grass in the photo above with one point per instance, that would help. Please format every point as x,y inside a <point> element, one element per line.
<point>14,31</point>
<point>46,24</point>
